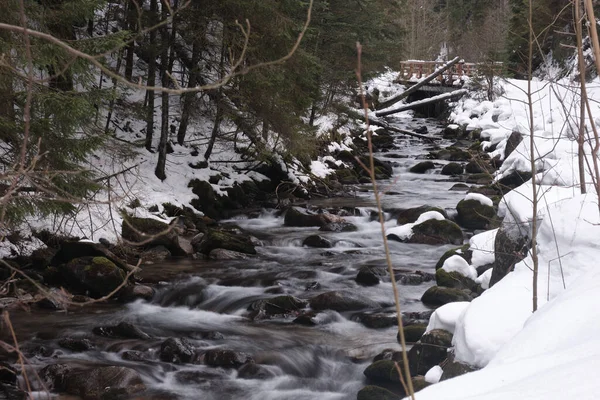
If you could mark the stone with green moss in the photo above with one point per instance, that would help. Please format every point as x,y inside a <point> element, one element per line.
<point>456,280</point>
<point>422,167</point>
<point>410,215</point>
<point>436,232</point>
<point>216,239</point>
<point>419,383</point>
<point>383,371</point>
<point>452,154</point>
<point>373,392</point>
<point>97,275</point>
<point>463,251</point>
<point>472,214</point>
<point>438,296</point>
<point>412,333</point>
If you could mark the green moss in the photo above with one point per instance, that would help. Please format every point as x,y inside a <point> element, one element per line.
<point>373,392</point>
<point>456,280</point>
<point>412,333</point>
<point>410,215</point>
<point>383,371</point>
<point>474,215</point>
<point>438,296</point>
<point>437,232</point>
<point>463,251</point>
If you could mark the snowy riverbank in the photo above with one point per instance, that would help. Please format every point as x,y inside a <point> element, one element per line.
<point>553,352</point>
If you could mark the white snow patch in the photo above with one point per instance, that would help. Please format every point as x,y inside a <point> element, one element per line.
<point>405,232</point>
<point>482,246</point>
<point>446,316</point>
<point>458,264</point>
<point>434,374</point>
<point>486,201</point>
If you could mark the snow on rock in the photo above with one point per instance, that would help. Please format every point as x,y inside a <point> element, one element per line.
<point>458,264</point>
<point>555,356</point>
<point>482,246</point>
<point>484,279</point>
<point>494,318</point>
<point>404,232</point>
<point>445,317</point>
<point>486,201</point>
<point>318,168</point>
<point>434,374</point>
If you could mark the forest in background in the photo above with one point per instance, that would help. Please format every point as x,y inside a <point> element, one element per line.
<point>233,71</point>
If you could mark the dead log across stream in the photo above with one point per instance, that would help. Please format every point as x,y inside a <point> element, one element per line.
<point>414,88</point>
<point>446,96</point>
<point>377,122</point>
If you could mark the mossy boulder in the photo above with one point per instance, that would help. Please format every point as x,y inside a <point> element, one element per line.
<point>419,383</point>
<point>216,239</point>
<point>438,296</point>
<point>207,201</point>
<point>410,215</point>
<point>372,392</point>
<point>422,167</point>
<point>514,179</point>
<point>75,249</point>
<point>383,371</point>
<point>452,154</point>
<point>317,241</point>
<point>472,214</point>
<point>346,176</point>
<point>452,169</point>
<point>482,178</point>
<point>436,232</point>
<point>463,251</point>
<point>412,333</point>
<point>456,280</point>
<point>428,352</point>
<point>510,247</point>
<point>341,300</point>
<point>381,167</point>
<point>97,275</point>
<point>454,368</point>
<point>369,275</point>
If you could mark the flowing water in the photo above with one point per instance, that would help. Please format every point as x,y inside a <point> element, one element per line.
<point>206,302</point>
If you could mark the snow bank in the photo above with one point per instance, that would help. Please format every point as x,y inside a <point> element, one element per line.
<point>482,246</point>
<point>434,374</point>
<point>405,232</point>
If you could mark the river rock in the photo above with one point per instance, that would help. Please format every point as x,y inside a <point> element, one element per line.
<point>7,373</point>
<point>510,247</point>
<point>215,239</point>
<point>514,179</point>
<point>155,254</point>
<point>372,392</point>
<point>92,383</point>
<point>225,358</point>
<point>422,167</point>
<point>222,254</point>
<point>383,371</point>
<point>76,344</point>
<point>177,351</point>
<point>438,296</point>
<point>431,350</point>
<point>295,216</point>
<point>511,144</point>
<point>342,226</point>
<point>463,251</point>
<point>98,275</point>
<point>472,214</point>
<point>149,232</point>
<point>456,280</point>
<point>341,300</point>
<point>376,320</point>
<point>76,249</point>
<point>12,392</point>
<point>317,241</point>
<point>279,305</point>
<point>436,232</point>
<point>414,332</point>
<point>103,382</point>
<point>135,292</point>
<point>251,370</point>
<point>124,330</point>
<point>452,169</point>
<point>369,275</point>
<point>453,368</point>
<point>134,355</point>
<point>410,215</point>
<point>452,154</point>
<point>346,176</point>
<point>419,383</point>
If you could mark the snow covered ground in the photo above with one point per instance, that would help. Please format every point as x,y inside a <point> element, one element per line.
<point>554,352</point>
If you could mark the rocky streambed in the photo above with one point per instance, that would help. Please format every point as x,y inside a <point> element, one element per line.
<point>289,303</point>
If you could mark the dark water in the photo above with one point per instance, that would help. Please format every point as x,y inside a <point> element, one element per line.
<point>196,298</point>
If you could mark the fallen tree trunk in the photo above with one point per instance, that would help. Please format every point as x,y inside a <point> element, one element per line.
<point>442,97</point>
<point>377,122</point>
<point>414,88</point>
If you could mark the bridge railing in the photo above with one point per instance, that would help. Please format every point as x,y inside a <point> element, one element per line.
<point>414,70</point>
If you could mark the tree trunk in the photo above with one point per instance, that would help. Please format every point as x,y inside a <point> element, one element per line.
<point>216,128</point>
<point>164,115</point>
<point>151,79</point>
<point>189,97</point>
